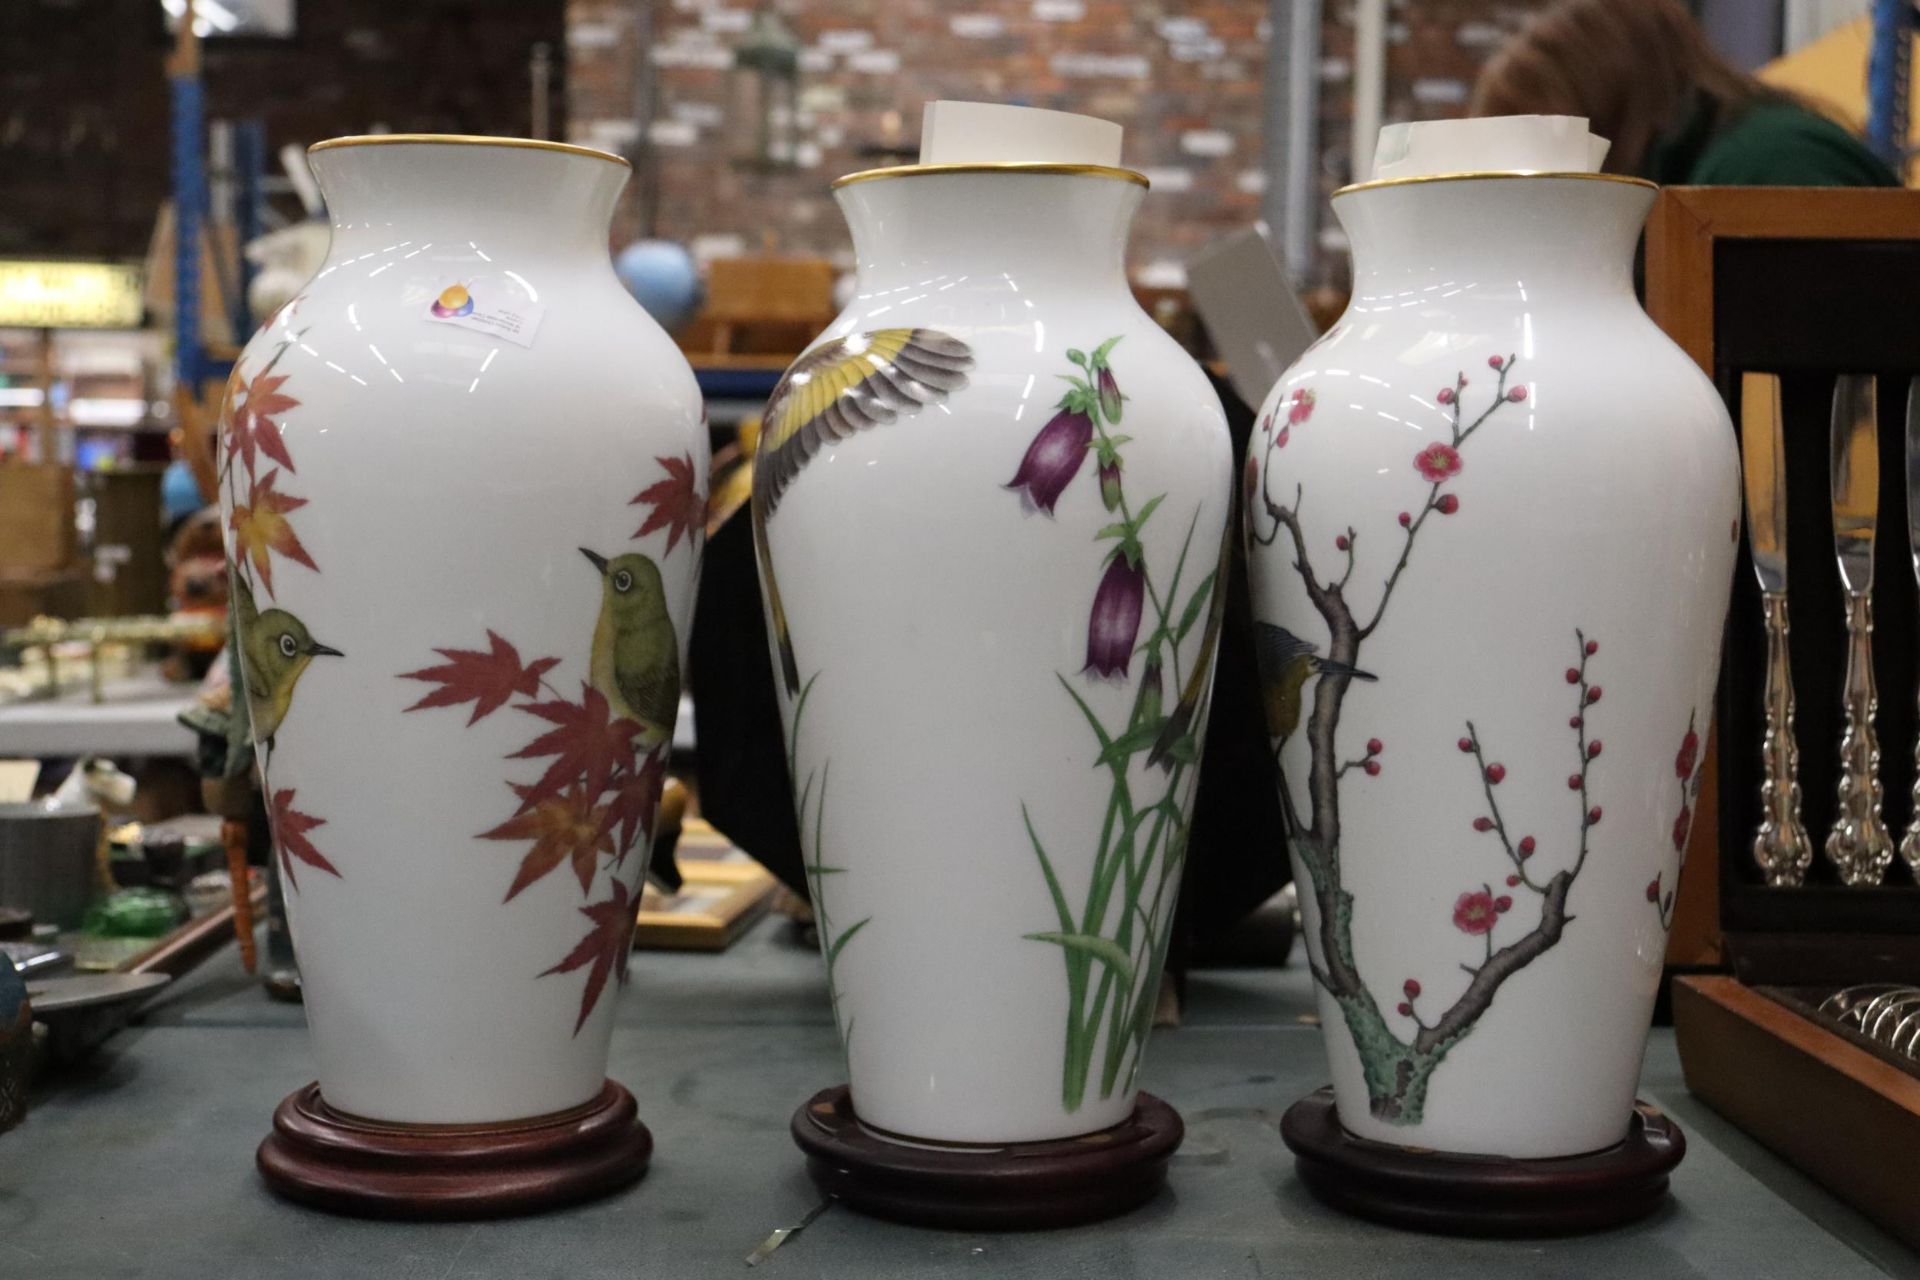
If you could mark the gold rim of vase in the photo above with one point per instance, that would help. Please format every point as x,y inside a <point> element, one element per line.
<point>994,166</point>
<point>1484,175</point>
<point>464,140</point>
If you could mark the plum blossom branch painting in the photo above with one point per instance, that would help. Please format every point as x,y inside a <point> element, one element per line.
<point>1501,937</point>
<point>597,797</point>
<point>1114,945</point>
<point>1686,771</point>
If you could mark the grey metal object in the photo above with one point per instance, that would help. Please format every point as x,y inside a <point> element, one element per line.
<point>1858,845</point>
<point>1780,844</point>
<point>1290,129</point>
<point>47,860</point>
<point>1910,842</point>
<point>81,1012</point>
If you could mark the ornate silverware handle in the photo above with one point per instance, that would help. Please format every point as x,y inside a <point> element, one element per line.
<point>1910,843</point>
<point>1781,845</point>
<point>1859,845</point>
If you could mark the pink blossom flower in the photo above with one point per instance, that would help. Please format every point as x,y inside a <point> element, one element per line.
<point>1444,395</point>
<point>1653,890</point>
<point>1447,505</point>
<point>1517,394</point>
<point>1412,987</point>
<point>1475,913</point>
<point>1689,754</point>
<point>1300,407</point>
<point>1681,825</point>
<point>1495,362</point>
<point>1438,462</point>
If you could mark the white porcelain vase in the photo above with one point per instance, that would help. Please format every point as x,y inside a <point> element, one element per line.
<point>1492,517</point>
<point>991,503</point>
<point>463,478</point>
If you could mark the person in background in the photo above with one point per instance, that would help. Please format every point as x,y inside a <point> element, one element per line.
<point>1644,76</point>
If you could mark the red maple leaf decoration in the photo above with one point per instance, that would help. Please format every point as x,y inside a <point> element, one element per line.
<point>563,828</point>
<point>250,409</point>
<point>589,741</point>
<point>260,526</point>
<point>636,801</point>
<point>485,679</point>
<point>290,827</point>
<point>678,505</point>
<point>606,947</point>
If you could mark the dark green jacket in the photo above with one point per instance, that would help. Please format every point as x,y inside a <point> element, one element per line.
<point>1769,144</point>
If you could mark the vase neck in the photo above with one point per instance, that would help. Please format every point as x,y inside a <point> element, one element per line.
<point>1011,233</point>
<point>538,201</point>
<point>1454,242</point>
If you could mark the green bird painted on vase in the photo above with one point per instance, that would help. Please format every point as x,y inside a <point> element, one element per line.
<point>275,651</point>
<point>635,663</point>
<point>1286,664</point>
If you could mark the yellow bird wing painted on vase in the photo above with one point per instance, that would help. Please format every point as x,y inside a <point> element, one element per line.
<point>833,391</point>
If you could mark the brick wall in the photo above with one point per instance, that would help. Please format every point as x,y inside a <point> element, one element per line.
<point>1183,78</point>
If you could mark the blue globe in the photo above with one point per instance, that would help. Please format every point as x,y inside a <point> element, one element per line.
<point>662,277</point>
<point>179,491</point>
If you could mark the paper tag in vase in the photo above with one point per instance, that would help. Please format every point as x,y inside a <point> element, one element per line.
<point>460,304</point>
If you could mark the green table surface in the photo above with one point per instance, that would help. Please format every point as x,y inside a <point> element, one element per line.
<point>141,1162</point>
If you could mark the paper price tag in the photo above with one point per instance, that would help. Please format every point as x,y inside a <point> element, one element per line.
<point>514,321</point>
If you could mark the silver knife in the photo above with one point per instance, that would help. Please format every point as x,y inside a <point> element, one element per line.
<point>1780,844</point>
<point>1858,846</point>
<point>1910,843</point>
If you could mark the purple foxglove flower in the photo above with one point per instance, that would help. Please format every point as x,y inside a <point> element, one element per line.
<point>1115,622</point>
<point>1110,395</point>
<point>1110,484</point>
<point>1053,459</point>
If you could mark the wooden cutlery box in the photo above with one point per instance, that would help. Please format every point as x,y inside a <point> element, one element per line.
<point>1807,285</point>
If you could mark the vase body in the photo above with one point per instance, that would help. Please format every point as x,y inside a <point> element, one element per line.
<point>990,504</point>
<point>461,473</point>
<point>1492,517</point>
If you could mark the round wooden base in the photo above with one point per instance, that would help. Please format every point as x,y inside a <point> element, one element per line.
<point>1016,1187</point>
<point>334,1161</point>
<point>1483,1195</point>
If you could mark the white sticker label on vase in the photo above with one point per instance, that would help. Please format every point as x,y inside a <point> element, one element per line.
<point>514,320</point>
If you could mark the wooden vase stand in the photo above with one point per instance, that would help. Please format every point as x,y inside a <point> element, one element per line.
<point>1017,1186</point>
<point>1468,1195</point>
<point>331,1160</point>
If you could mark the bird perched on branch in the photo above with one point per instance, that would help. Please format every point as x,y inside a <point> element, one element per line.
<point>275,651</point>
<point>635,662</point>
<point>1286,663</point>
<point>838,388</point>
